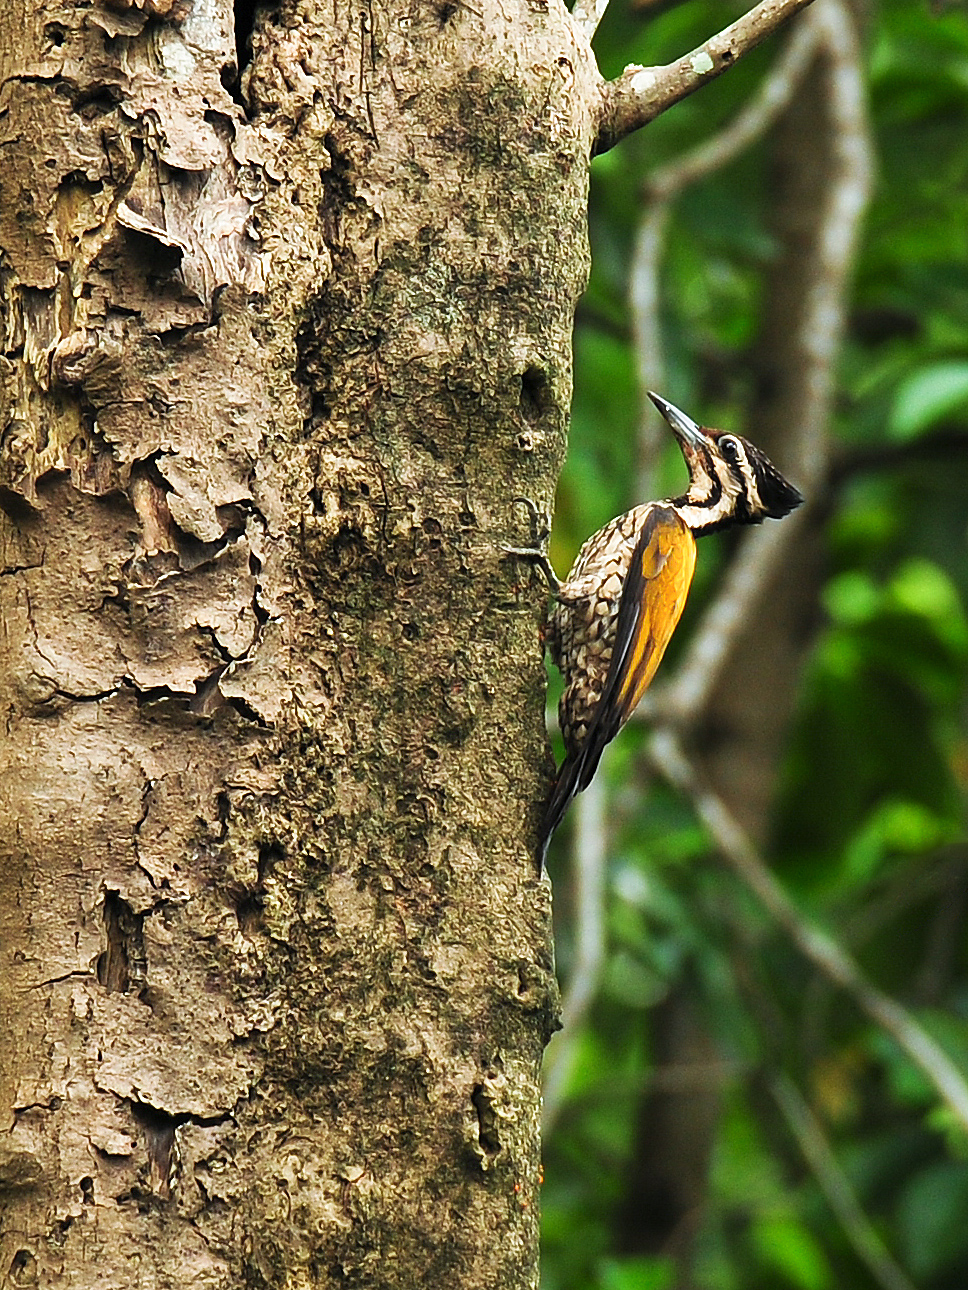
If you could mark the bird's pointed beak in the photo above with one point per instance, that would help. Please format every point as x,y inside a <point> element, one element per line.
<point>683,427</point>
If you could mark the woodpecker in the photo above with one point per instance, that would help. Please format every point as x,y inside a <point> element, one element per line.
<point>616,611</point>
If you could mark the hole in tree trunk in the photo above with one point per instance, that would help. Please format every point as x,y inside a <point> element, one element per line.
<point>535,393</point>
<point>122,964</point>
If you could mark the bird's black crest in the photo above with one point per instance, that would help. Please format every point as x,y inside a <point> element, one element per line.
<point>777,495</point>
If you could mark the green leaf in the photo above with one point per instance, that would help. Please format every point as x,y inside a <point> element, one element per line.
<point>852,597</point>
<point>931,1218</point>
<point>636,1274</point>
<point>789,1248</point>
<point>920,587</point>
<point>893,826</point>
<point>928,396</point>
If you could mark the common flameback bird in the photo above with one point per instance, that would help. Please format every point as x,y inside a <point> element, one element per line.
<point>616,611</point>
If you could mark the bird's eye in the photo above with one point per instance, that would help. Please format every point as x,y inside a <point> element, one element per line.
<point>729,448</point>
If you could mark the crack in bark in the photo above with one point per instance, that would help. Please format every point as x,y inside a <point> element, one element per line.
<point>82,974</point>
<point>247,711</point>
<point>96,697</point>
<point>10,570</point>
<point>33,627</point>
<point>146,792</point>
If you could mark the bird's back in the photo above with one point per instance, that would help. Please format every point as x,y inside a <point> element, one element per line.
<point>581,627</point>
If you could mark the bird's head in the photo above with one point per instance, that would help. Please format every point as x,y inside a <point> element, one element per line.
<point>730,480</point>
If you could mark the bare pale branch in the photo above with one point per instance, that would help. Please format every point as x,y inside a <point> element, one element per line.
<point>813,942</point>
<point>589,856</point>
<point>645,303</point>
<point>659,191</point>
<point>641,94</point>
<point>836,1186</point>
<point>820,331</point>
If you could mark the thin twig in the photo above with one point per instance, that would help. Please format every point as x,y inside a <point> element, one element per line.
<point>641,94</point>
<point>589,852</point>
<point>645,297</point>
<point>771,98</point>
<point>908,886</point>
<point>822,950</point>
<point>835,1185</point>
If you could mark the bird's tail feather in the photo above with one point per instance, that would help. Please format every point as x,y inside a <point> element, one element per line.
<point>574,775</point>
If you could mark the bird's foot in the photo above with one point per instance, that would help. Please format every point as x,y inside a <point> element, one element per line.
<point>540,528</point>
<point>538,558</point>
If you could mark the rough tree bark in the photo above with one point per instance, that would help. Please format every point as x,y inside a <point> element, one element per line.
<point>277,358</point>
<point>277,970</point>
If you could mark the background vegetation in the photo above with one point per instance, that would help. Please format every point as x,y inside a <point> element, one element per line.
<point>828,1158</point>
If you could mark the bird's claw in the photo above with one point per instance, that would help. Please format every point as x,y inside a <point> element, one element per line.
<point>540,522</point>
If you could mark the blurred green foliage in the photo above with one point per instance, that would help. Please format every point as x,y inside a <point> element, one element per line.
<point>869,833</point>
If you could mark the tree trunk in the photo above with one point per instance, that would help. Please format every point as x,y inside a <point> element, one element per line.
<point>276,966</point>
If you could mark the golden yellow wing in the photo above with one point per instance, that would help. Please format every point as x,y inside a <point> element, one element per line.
<point>653,597</point>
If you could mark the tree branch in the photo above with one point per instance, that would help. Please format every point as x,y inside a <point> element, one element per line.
<point>836,1186</point>
<point>827,26</point>
<point>850,188</point>
<point>590,839</point>
<point>641,94</point>
<point>645,300</point>
<point>660,189</point>
<point>813,942</point>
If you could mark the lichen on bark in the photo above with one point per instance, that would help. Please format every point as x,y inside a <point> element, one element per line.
<point>277,359</point>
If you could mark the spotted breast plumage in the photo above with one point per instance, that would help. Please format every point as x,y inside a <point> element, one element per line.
<point>616,611</point>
